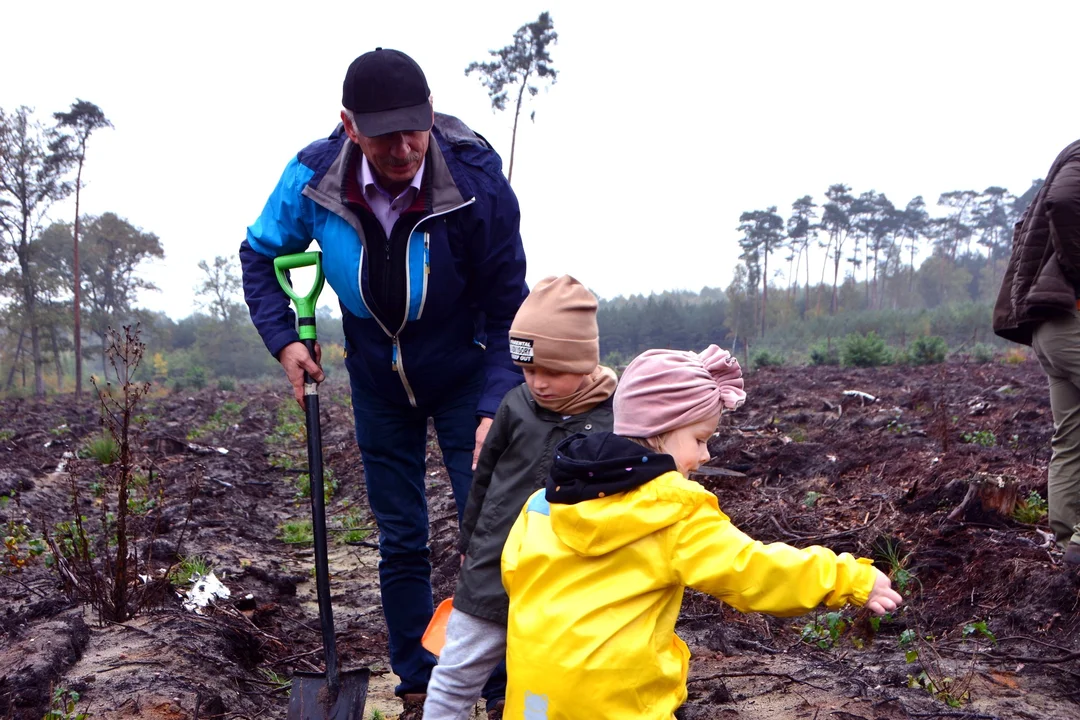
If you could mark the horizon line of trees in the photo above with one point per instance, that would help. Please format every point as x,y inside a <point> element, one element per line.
<point>218,341</point>
<point>856,254</point>
<point>865,238</point>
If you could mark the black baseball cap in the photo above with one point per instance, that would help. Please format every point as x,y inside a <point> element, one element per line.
<point>387,92</point>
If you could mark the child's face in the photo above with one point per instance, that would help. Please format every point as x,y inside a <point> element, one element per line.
<point>549,385</point>
<point>687,444</point>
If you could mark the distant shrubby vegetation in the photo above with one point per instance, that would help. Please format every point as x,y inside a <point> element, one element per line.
<point>861,338</point>
<point>202,350</point>
<point>188,354</point>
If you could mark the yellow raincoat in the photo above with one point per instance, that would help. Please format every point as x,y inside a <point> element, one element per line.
<point>595,588</point>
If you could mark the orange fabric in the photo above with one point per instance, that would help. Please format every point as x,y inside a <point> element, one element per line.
<point>435,635</point>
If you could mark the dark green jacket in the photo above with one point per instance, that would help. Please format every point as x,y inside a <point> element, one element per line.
<point>513,464</point>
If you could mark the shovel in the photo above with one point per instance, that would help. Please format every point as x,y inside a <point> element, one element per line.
<point>334,695</point>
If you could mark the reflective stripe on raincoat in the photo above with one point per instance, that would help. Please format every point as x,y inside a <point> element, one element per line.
<point>595,588</point>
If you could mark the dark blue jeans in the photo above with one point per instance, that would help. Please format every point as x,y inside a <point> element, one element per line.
<point>393,446</point>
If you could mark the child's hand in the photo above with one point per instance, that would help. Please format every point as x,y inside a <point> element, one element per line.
<point>883,598</point>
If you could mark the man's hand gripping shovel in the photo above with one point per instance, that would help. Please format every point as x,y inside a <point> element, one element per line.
<point>334,695</point>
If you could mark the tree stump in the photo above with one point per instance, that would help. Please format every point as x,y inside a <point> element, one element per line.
<point>997,495</point>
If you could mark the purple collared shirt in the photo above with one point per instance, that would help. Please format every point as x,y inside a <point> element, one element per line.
<point>386,208</point>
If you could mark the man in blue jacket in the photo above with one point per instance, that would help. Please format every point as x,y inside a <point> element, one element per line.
<point>419,233</point>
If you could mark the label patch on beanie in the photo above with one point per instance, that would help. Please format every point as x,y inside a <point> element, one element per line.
<point>521,350</point>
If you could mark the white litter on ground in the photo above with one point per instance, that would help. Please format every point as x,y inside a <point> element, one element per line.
<point>860,394</point>
<point>205,450</point>
<point>204,590</point>
<point>63,462</point>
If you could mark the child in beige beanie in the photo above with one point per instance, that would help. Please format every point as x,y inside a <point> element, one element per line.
<point>554,338</point>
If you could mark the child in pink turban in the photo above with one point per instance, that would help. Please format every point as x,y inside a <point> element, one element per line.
<point>596,563</point>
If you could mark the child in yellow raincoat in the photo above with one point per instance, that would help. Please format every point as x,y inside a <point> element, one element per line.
<point>555,340</point>
<point>596,563</point>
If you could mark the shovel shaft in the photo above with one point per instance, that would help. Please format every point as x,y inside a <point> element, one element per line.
<point>318,523</point>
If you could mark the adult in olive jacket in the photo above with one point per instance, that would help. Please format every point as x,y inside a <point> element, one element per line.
<point>1037,306</point>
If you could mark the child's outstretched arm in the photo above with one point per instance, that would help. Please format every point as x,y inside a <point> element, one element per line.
<point>710,554</point>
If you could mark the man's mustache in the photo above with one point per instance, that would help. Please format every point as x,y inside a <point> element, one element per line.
<point>409,159</point>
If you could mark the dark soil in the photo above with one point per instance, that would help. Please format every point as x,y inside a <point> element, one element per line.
<point>884,473</point>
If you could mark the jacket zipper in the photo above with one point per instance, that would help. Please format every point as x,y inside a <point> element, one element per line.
<point>396,359</point>
<point>408,278</point>
<point>398,367</point>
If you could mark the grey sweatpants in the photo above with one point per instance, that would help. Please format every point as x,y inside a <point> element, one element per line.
<point>1057,345</point>
<point>473,649</point>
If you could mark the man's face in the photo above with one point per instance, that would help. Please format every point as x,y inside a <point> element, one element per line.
<point>395,158</point>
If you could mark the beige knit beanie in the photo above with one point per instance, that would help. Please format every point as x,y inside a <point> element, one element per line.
<point>555,328</point>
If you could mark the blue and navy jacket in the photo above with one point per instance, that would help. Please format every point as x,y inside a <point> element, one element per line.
<point>422,310</point>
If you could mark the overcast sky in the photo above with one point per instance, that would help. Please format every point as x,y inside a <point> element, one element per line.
<point>667,121</point>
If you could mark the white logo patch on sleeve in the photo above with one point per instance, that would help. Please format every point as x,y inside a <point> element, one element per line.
<point>521,350</point>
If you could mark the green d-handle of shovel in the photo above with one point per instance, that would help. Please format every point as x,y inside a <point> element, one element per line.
<point>305,304</point>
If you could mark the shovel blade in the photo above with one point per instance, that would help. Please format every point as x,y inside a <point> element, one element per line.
<point>310,697</point>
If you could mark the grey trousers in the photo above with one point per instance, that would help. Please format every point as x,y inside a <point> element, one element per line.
<point>1057,345</point>
<point>473,648</point>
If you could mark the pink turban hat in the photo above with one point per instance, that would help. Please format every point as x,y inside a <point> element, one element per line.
<point>665,389</point>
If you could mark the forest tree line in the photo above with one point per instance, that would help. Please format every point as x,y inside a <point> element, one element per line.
<point>859,252</point>
<point>853,263</point>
